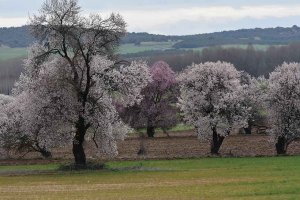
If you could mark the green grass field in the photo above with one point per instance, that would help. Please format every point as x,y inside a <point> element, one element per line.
<point>145,46</point>
<point>262,47</point>
<point>207,178</point>
<point>255,46</point>
<point>10,53</point>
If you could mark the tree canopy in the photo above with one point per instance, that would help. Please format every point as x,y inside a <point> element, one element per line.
<point>71,77</point>
<point>211,100</point>
<point>158,106</point>
<point>283,100</point>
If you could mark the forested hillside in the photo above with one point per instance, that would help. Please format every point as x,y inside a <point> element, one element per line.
<point>20,37</point>
<point>270,36</point>
<point>15,37</point>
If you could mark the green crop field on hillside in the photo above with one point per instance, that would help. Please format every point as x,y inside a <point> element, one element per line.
<point>10,53</point>
<point>262,47</point>
<point>207,178</point>
<point>145,46</point>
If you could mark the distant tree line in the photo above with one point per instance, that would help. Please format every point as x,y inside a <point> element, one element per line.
<point>10,71</point>
<point>255,62</point>
<point>137,38</point>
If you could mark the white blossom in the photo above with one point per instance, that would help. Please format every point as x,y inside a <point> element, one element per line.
<point>47,106</point>
<point>254,97</point>
<point>4,100</point>
<point>71,79</point>
<point>284,103</point>
<point>211,98</point>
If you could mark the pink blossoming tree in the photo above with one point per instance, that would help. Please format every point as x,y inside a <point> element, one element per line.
<point>157,108</point>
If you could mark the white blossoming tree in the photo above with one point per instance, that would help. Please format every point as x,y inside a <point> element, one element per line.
<point>30,125</point>
<point>71,80</point>
<point>211,100</point>
<point>255,93</point>
<point>4,100</point>
<point>284,105</point>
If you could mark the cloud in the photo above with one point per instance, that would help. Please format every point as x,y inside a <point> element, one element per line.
<point>151,19</point>
<point>13,21</point>
<point>190,19</point>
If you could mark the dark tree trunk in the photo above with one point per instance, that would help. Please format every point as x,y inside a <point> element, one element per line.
<point>78,150</point>
<point>42,150</point>
<point>281,146</point>
<point>142,149</point>
<point>248,130</point>
<point>150,131</point>
<point>216,142</point>
<point>45,153</point>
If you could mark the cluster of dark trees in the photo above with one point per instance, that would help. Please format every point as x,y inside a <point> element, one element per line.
<point>15,37</point>
<point>137,38</point>
<point>10,71</point>
<point>255,62</point>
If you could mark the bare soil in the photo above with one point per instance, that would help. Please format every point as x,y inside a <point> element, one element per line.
<point>176,145</point>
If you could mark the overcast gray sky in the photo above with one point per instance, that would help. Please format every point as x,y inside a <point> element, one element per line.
<point>174,17</point>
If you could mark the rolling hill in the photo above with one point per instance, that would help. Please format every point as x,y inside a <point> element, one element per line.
<point>20,37</point>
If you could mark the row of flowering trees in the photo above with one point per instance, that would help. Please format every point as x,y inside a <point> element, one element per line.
<point>214,98</point>
<point>73,89</point>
